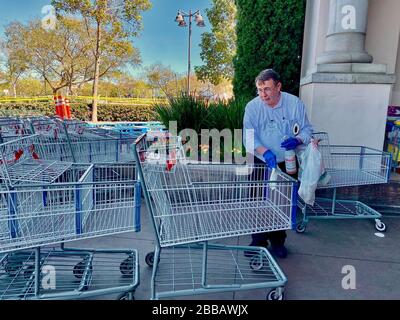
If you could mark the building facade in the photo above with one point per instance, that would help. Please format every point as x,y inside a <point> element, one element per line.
<point>351,68</point>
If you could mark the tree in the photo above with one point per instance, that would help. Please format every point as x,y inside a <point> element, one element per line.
<point>121,18</point>
<point>63,56</point>
<point>29,87</point>
<point>163,78</point>
<point>14,56</point>
<point>58,56</point>
<point>218,47</point>
<point>269,35</point>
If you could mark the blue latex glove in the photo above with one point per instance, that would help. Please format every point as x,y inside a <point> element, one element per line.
<point>290,144</point>
<point>270,159</point>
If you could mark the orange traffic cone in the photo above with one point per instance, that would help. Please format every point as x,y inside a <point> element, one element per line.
<point>57,105</point>
<point>67,109</point>
<point>63,108</point>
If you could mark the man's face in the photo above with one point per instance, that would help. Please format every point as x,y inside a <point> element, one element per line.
<point>269,92</point>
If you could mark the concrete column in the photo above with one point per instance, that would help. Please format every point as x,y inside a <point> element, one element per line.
<point>345,39</point>
<point>345,94</point>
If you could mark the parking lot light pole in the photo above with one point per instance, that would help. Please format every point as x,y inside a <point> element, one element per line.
<point>180,18</point>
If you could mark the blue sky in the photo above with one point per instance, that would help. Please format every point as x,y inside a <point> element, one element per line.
<point>160,41</point>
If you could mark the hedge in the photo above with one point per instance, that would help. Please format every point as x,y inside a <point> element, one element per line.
<point>269,35</point>
<point>82,111</point>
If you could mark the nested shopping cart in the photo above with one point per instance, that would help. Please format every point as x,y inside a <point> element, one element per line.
<point>12,127</point>
<point>46,202</point>
<point>191,204</point>
<point>346,166</point>
<point>75,141</point>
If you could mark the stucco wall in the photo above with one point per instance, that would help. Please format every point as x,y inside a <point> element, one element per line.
<point>352,114</point>
<point>383,27</point>
<point>383,37</point>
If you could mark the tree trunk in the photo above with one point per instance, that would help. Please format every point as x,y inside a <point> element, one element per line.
<point>96,74</point>
<point>15,90</point>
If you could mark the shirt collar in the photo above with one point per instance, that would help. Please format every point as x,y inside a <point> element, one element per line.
<point>279,105</point>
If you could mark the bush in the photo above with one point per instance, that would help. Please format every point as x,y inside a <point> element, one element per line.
<point>82,111</point>
<point>196,114</point>
<point>190,113</point>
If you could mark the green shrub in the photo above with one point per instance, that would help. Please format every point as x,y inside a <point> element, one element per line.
<point>190,113</point>
<point>82,111</point>
<point>269,35</point>
<point>187,111</point>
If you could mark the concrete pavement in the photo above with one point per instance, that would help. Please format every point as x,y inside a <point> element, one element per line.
<point>318,260</point>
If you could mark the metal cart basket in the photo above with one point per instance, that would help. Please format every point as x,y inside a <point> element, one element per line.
<point>346,166</point>
<point>54,274</point>
<point>45,201</point>
<point>191,204</point>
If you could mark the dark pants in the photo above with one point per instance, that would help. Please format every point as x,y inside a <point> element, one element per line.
<point>277,238</point>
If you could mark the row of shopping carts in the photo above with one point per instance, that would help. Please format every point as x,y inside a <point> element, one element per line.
<point>62,181</point>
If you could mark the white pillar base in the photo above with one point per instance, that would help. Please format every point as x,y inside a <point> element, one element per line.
<point>352,113</point>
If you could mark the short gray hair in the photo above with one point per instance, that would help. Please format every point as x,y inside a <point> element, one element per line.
<point>268,74</point>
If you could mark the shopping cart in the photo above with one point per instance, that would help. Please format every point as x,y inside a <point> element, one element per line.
<point>75,141</point>
<point>30,159</point>
<point>346,166</point>
<point>54,274</point>
<point>10,128</point>
<point>45,202</point>
<point>78,204</point>
<point>191,204</point>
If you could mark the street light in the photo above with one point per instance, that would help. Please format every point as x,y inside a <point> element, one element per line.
<point>180,18</point>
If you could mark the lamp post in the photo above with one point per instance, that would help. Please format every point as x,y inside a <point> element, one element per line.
<point>180,18</point>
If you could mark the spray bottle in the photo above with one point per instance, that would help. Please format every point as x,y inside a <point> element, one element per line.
<point>290,158</point>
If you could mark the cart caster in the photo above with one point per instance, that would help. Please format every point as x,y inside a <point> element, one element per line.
<point>126,296</point>
<point>272,295</point>
<point>301,228</point>
<point>256,262</point>
<point>380,226</point>
<point>79,269</point>
<point>126,267</point>
<point>150,259</point>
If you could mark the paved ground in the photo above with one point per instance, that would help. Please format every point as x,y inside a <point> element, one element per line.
<point>315,262</point>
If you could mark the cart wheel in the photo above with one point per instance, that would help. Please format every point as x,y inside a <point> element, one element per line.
<point>380,226</point>
<point>12,268</point>
<point>256,262</point>
<point>301,228</point>
<point>28,272</point>
<point>271,295</point>
<point>79,269</point>
<point>126,267</point>
<point>126,296</point>
<point>150,259</point>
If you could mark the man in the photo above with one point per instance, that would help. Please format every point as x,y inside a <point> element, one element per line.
<point>280,123</point>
